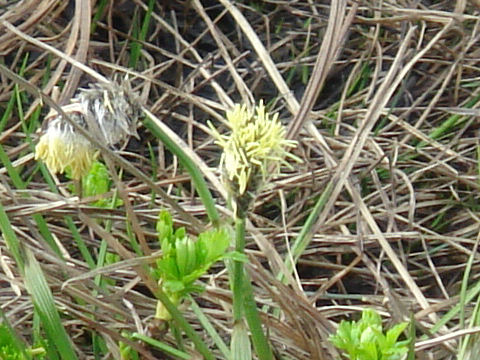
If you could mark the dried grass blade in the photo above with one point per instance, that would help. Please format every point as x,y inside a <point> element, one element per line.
<point>264,56</point>
<point>334,38</point>
<point>54,51</point>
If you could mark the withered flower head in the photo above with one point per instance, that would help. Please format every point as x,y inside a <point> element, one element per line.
<point>108,112</point>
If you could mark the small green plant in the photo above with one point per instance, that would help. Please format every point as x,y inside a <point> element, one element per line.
<point>96,182</point>
<point>366,340</point>
<point>11,348</point>
<point>185,260</point>
<point>126,351</point>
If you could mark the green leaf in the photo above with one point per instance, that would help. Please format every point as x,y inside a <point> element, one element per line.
<point>368,351</point>
<point>173,286</point>
<point>164,227</point>
<point>181,255</point>
<point>215,242</point>
<point>162,346</point>
<point>395,332</point>
<point>167,268</point>
<point>44,304</point>
<point>365,339</point>
<point>10,346</point>
<point>97,181</point>
<point>180,233</point>
<point>370,318</point>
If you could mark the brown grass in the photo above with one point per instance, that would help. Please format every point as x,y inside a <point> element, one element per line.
<point>400,223</point>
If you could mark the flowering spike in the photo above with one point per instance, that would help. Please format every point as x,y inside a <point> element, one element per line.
<point>256,146</point>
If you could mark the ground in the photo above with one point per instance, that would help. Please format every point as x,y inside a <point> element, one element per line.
<point>381,211</point>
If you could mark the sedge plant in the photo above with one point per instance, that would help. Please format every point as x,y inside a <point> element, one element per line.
<point>253,152</point>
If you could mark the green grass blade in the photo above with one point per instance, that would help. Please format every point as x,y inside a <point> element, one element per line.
<point>10,238</point>
<point>136,46</point>
<point>448,124</point>
<point>7,113</point>
<point>80,243</point>
<point>19,184</point>
<point>471,343</point>
<point>162,346</point>
<point>43,301</point>
<point>98,14</point>
<point>240,343</point>
<point>471,293</point>
<point>208,327</point>
<point>463,289</point>
<point>305,236</point>
<point>184,325</point>
<point>260,342</point>
<point>197,178</point>
<point>411,335</point>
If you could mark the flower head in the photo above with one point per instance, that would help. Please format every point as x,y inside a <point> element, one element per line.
<point>255,149</point>
<point>109,112</point>
<point>60,147</point>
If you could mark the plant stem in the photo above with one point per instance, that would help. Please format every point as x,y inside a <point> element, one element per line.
<point>238,275</point>
<point>260,342</point>
<point>182,323</point>
<point>243,298</point>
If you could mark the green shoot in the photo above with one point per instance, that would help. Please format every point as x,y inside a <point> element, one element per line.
<point>366,339</point>
<point>126,351</point>
<point>185,260</point>
<point>98,182</point>
<point>136,46</point>
<point>162,346</point>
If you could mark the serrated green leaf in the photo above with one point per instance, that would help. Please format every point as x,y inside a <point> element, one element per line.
<point>97,181</point>
<point>365,339</point>
<point>192,261</point>
<point>201,252</point>
<point>370,318</point>
<point>368,351</point>
<point>369,335</point>
<point>216,243</point>
<point>168,269</point>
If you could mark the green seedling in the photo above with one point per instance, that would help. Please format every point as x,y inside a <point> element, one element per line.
<point>97,182</point>
<point>185,260</point>
<point>366,339</point>
<point>126,351</point>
